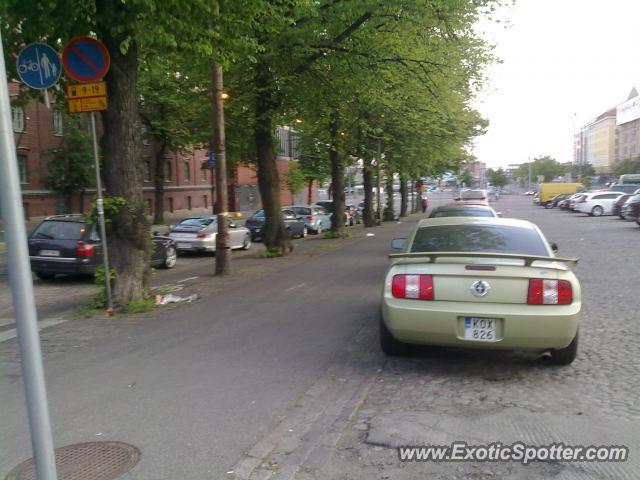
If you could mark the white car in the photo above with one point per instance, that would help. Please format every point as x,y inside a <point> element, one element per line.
<point>597,203</point>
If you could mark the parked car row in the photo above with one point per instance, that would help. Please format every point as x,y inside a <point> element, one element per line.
<point>621,203</point>
<point>301,220</point>
<point>71,245</point>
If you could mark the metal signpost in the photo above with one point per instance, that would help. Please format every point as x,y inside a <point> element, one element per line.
<point>38,68</point>
<point>85,59</point>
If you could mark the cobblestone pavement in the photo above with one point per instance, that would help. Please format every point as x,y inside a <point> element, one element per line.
<point>438,396</point>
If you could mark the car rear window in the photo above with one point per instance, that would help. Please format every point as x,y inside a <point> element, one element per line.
<point>259,213</point>
<point>52,230</point>
<point>301,210</point>
<point>462,212</point>
<point>479,238</point>
<point>197,221</point>
<point>473,195</point>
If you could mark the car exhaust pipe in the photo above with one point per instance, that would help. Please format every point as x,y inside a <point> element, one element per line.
<point>546,356</point>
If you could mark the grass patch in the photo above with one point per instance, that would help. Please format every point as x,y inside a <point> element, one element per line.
<point>271,253</point>
<point>84,312</point>
<point>139,306</point>
<point>331,234</point>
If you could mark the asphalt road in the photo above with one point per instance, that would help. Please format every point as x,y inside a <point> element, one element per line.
<point>193,387</point>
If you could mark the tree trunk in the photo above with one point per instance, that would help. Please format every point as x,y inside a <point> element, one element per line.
<point>158,183</point>
<point>275,236</point>
<point>389,213</point>
<point>337,175</point>
<point>310,192</point>
<point>369,213</point>
<point>128,236</point>
<point>404,193</point>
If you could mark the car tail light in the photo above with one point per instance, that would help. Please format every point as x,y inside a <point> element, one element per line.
<point>203,235</point>
<point>419,287</point>
<point>310,217</point>
<point>549,292</point>
<point>84,249</point>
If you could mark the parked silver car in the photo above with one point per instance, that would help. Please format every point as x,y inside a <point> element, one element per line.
<point>198,234</point>
<point>316,218</point>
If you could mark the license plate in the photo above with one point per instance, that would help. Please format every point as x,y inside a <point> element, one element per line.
<point>49,253</point>
<point>480,329</point>
<point>184,246</point>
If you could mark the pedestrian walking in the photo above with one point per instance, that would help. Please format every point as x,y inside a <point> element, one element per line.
<point>425,203</point>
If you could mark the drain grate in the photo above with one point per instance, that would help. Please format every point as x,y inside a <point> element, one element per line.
<point>85,461</point>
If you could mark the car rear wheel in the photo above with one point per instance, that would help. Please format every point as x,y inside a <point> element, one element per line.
<point>319,229</point>
<point>45,275</point>
<point>548,205</point>
<point>597,211</point>
<point>566,355</point>
<point>246,245</point>
<point>391,346</point>
<point>305,232</point>
<point>170,257</point>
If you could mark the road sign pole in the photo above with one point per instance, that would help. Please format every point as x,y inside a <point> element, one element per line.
<point>100,209</point>
<point>21,283</point>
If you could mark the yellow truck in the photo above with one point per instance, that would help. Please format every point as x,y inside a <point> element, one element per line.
<point>547,191</point>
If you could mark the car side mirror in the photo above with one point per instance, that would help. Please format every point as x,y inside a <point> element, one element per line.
<point>499,214</point>
<point>398,243</point>
<point>171,227</point>
<point>554,247</point>
<point>232,224</point>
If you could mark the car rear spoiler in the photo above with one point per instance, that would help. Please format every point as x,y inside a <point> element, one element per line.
<point>528,259</point>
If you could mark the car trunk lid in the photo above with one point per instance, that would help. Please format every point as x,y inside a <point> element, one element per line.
<point>502,279</point>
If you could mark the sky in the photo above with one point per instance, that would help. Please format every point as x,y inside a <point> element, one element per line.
<point>564,62</point>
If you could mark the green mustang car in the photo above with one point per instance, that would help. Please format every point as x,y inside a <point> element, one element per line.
<point>480,282</point>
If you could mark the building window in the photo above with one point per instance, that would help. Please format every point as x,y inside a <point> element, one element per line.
<point>203,174</point>
<point>167,171</point>
<point>188,202</point>
<point>171,204</point>
<point>58,122</point>
<point>149,206</point>
<point>205,201</point>
<point>145,135</point>
<point>17,116</point>
<point>187,171</point>
<point>147,170</point>
<point>22,169</point>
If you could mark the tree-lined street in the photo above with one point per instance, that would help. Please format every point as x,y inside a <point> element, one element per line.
<point>277,371</point>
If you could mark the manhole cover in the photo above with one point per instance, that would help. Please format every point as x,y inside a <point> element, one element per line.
<point>85,461</point>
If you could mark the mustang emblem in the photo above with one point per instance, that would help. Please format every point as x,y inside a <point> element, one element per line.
<point>480,288</point>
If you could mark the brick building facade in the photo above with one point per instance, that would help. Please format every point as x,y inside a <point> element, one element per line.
<point>187,187</point>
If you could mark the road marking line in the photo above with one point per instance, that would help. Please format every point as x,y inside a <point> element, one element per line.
<point>13,333</point>
<point>187,279</point>
<point>300,285</point>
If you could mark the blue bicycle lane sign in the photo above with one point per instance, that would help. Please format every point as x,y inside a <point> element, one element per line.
<point>39,66</point>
